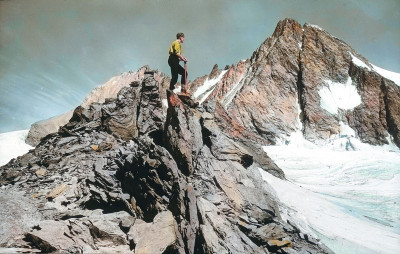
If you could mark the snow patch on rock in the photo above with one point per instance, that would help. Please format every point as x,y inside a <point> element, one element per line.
<point>393,76</point>
<point>228,97</point>
<point>207,88</point>
<point>337,95</point>
<point>296,137</point>
<point>358,62</point>
<point>177,89</point>
<point>317,27</point>
<point>165,102</point>
<point>299,122</point>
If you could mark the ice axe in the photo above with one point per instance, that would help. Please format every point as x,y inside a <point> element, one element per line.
<point>184,88</point>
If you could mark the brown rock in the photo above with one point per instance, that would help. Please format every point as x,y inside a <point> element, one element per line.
<point>57,191</point>
<point>41,172</point>
<point>392,103</point>
<point>42,128</point>
<point>279,243</point>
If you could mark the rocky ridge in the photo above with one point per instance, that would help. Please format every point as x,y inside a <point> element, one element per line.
<point>126,172</point>
<point>99,94</point>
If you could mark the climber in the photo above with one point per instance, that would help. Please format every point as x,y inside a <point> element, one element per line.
<point>175,55</point>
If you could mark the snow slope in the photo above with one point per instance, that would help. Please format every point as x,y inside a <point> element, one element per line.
<point>394,76</point>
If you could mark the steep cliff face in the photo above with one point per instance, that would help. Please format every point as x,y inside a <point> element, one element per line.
<point>325,60</point>
<point>304,79</point>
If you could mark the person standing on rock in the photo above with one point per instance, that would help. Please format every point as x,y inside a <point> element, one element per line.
<point>175,55</point>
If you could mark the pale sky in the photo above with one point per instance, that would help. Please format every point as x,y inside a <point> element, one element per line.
<point>53,52</point>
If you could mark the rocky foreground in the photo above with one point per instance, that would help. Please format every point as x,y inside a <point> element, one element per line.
<point>145,170</point>
<point>127,176</point>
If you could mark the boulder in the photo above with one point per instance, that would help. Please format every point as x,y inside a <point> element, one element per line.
<point>51,236</point>
<point>159,236</point>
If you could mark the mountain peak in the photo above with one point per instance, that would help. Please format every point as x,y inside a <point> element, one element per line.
<point>281,89</point>
<point>287,26</point>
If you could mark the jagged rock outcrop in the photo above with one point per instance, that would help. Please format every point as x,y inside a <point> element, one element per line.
<point>279,90</point>
<point>130,175</point>
<point>100,94</point>
<point>42,128</point>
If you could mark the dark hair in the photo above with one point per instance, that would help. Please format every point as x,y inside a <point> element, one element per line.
<point>179,35</point>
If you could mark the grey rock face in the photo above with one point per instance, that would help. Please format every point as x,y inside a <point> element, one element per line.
<point>129,175</point>
<point>50,236</point>
<point>41,129</point>
<point>182,135</point>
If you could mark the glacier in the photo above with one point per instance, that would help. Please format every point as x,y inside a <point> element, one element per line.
<point>350,198</point>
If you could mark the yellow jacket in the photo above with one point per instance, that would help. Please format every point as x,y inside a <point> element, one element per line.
<point>175,48</point>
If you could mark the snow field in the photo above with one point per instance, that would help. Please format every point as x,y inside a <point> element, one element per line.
<point>12,145</point>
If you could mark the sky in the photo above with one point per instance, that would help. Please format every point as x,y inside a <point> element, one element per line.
<point>53,52</point>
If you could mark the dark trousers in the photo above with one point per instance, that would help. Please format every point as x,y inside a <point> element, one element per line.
<point>176,68</point>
